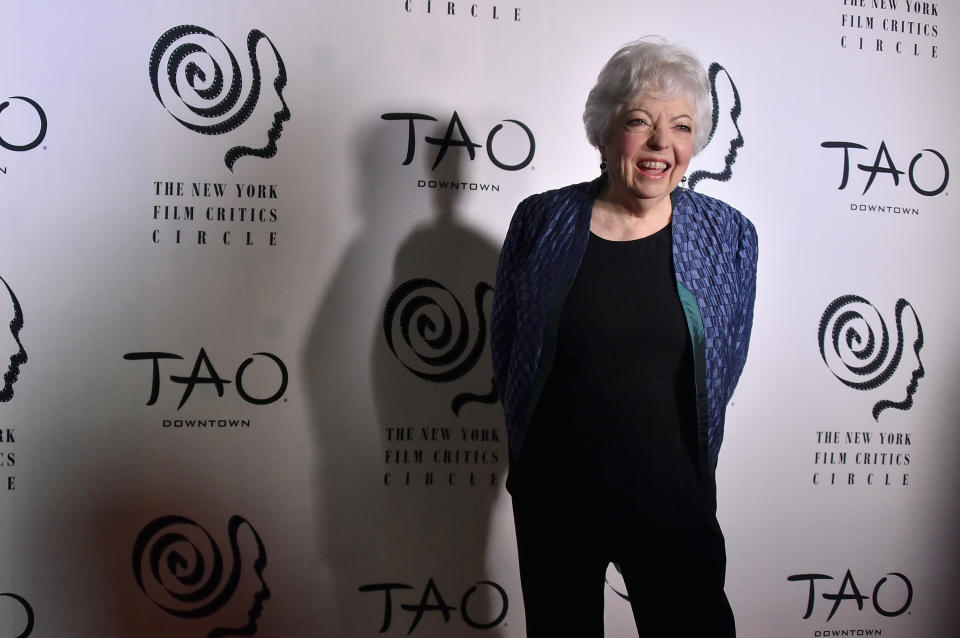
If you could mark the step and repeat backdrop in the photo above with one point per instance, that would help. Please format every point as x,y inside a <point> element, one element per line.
<point>248,251</point>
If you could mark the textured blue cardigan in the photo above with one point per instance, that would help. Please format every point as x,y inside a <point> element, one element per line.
<point>715,260</point>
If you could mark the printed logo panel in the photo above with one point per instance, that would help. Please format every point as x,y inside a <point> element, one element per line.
<point>198,79</point>
<point>891,596</point>
<point>438,338</point>
<point>509,145</point>
<point>430,333</point>
<point>859,348</point>
<point>483,606</point>
<point>856,346</point>
<point>891,28</point>
<point>260,379</point>
<point>237,101</point>
<point>180,567</point>
<point>901,182</point>
<point>214,214</point>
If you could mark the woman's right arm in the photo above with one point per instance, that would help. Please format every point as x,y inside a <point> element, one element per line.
<point>504,314</point>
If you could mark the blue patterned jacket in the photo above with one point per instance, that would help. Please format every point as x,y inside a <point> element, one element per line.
<point>715,259</point>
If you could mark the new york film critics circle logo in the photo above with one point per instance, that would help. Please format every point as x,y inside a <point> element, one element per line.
<point>12,351</point>
<point>28,121</point>
<point>179,566</point>
<point>15,612</point>
<point>197,78</point>
<point>856,346</point>
<point>430,333</point>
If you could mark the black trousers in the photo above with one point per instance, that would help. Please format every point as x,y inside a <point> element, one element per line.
<point>671,555</point>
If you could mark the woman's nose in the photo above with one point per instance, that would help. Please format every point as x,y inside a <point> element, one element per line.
<point>656,139</point>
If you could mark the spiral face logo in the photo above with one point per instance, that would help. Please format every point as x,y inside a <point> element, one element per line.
<point>11,349</point>
<point>197,78</point>
<point>855,344</point>
<point>27,614</point>
<point>41,125</point>
<point>181,569</point>
<point>429,332</point>
<point>735,142</point>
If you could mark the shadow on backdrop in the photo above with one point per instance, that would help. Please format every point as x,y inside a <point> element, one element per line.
<point>399,348</point>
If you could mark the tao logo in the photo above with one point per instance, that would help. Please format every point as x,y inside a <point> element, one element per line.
<point>41,129</point>
<point>883,163</point>
<point>431,600</point>
<point>203,361</point>
<point>854,593</point>
<point>464,140</point>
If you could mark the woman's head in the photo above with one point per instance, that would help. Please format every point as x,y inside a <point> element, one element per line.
<point>654,68</point>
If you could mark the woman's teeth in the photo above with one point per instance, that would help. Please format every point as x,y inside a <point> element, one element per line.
<point>653,165</point>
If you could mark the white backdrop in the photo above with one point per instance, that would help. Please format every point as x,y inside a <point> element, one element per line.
<point>352,484</point>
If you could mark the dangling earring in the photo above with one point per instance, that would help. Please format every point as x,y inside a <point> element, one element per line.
<point>603,166</point>
<point>683,182</point>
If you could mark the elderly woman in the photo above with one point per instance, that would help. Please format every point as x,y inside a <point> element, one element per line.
<point>620,326</point>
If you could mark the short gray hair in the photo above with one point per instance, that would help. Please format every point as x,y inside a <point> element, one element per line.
<point>651,66</point>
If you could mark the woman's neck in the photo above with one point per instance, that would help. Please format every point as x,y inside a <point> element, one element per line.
<point>624,219</point>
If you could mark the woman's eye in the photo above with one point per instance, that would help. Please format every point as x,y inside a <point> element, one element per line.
<point>684,127</point>
<point>635,122</point>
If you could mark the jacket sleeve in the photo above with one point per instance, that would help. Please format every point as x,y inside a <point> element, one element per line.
<point>746,262</point>
<point>503,317</point>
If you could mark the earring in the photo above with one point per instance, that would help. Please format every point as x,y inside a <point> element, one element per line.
<point>683,181</point>
<point>603,166</point>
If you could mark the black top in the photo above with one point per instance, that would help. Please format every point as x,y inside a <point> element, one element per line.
<point>618,409</point>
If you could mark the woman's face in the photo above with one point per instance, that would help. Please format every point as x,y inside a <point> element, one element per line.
<point>648,148</point>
